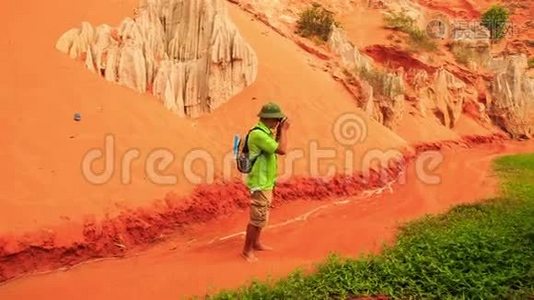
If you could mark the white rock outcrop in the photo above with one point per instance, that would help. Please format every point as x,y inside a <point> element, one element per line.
<point>186,52</point>
<point>381,93</point>
<point>512,91</point>
<point>443,95</point>
<point>350,57</point>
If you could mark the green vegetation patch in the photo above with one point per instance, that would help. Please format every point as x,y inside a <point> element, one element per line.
<point>417,38</point>
<point>478,251</point>
<point>316,22</point>
<point>495,19</point>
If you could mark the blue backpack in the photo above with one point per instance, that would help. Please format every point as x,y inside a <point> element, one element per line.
<point>242,154</point>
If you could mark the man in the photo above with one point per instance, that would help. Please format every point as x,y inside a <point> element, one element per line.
<point>264,145</point>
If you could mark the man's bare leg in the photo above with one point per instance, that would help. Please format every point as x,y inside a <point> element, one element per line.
<point>259,246</point>
<point>250,239</point>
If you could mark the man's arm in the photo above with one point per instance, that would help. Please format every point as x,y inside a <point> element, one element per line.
<point>281,137</point>
<point>263,141</point>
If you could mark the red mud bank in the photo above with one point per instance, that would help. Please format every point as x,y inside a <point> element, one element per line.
<point>49,250</point>
<point>42,251</point>
<point>465,141</point>
<point>395,58</point>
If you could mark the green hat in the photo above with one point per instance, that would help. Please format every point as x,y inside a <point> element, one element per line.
<point>271,111</point>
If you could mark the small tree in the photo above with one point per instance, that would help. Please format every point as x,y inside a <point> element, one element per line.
<point>315,21</point>
<point>495,20</point>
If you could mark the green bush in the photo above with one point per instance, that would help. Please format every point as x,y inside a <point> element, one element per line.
<point>316,21</point>
<point>495,20</point>
<point>531,62</point>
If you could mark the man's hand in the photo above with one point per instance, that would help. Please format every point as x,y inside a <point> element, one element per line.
<point>281,136</point>
<point>284,125</point>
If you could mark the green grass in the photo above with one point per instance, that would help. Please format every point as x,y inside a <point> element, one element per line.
<point>531,62</point>
<point>480,251</point>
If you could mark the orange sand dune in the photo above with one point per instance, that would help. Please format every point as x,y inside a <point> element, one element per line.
<point>365,26</point>
<point>44,147</point>
<point>416,129</point>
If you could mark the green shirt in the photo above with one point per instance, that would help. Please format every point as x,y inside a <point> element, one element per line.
<point>263,174</point>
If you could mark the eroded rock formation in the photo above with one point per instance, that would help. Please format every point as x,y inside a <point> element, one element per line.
<point>350,57</point>
<point>512,92</point>
<point>442,95</point>
<point>186,52</point>
<point>381,93</point>
<point>384,80</point>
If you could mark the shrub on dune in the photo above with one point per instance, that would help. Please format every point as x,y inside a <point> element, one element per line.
<point>316,21</point>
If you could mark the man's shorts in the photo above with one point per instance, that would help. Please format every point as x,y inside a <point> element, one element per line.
<point>259,207</point>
